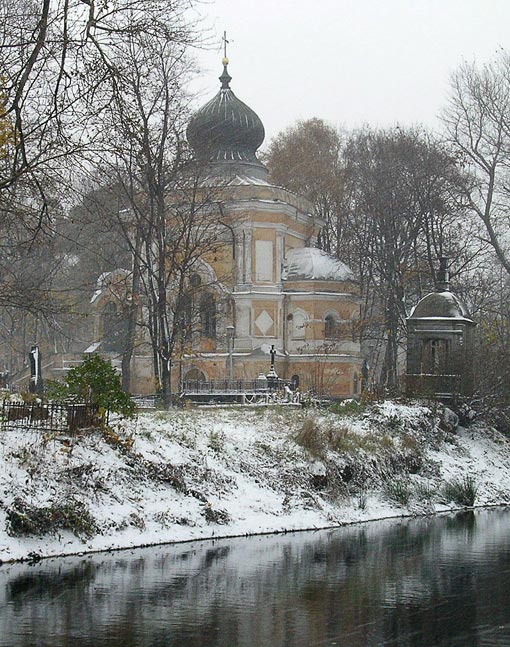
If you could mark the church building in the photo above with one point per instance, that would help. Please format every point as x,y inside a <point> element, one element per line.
<point>272,286</point>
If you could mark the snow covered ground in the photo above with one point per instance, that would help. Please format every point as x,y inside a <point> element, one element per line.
<point>184,475</point>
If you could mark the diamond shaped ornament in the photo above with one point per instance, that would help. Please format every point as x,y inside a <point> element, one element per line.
<point>264,322</point>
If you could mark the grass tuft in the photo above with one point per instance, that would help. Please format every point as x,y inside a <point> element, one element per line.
<point>398,491</point>
<point>310,437</point>
<point>461,491</point>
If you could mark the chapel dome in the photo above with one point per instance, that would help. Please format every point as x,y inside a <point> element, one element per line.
<point>310,263</point>
<point>226,131</point>
<point>440,304</point>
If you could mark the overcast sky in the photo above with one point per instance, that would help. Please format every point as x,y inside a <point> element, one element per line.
<point>349,62</point>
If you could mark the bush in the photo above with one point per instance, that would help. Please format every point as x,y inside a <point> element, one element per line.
<point>96,381</point>
<point>342,440</point>
<point>24,519</point>
<point>347,408</point>
<point>213,515</point>
<point>216,441</point>
<point>461,491</point>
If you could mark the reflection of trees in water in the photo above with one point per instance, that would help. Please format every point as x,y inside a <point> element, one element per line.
<point>32,585</point>
<point>384,583</point>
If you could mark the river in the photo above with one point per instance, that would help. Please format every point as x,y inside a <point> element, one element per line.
<point>409,583</point>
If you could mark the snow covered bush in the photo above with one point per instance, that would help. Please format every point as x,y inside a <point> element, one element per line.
<point>25,519</point>
<point>347,408</point>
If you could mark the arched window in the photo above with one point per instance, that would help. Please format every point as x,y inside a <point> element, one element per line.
<point>355,384</point>
<point>295,381</point>
<point>435,360</point>
<point>114,329</point>
<point>184,317</point>
<point>208,315</point>
<point>194,374</point>
<point>195,280</point>
<point>109,319</point>
<point>330,327</point>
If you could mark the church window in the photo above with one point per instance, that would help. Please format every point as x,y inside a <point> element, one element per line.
<point>195,280</point>
<point>355,385</point>
<point>330,327</point>
<point>435,357</point>
<point>208,315</point>
<point>194,375</point>
<point>114,328</point>
<point>264,260</point>
<point>295,381</point>
<point>184,317</point>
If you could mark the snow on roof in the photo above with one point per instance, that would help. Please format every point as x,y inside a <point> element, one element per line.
<point>243,180</point>
<point>309,263</point>
<point>445,305</point>
<point>235,180</point>
<point>92,348</point>
<point>107,278</point>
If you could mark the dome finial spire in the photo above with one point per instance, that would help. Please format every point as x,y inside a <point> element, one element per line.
<point>225,78</point>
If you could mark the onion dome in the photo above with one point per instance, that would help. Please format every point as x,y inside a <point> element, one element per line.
<point>226,133</point>
<point>310,263</point>
<point>443,305</point>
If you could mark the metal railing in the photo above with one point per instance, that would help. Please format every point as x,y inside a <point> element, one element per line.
<point>149,401</point>
<point>51,416</point>
<point>232,386</point>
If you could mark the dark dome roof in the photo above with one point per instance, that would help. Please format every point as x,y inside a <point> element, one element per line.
<point>440,304</point>
<point>225,129</point>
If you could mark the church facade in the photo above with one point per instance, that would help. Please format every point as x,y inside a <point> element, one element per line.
<point>271,286</point>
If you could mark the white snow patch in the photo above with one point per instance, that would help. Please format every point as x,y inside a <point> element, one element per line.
<point>210,473</point>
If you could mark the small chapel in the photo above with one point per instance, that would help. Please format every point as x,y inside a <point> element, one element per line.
<point>440,344</point>
<point>272,287</point>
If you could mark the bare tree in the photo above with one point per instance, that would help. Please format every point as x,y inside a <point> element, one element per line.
<point>477,121</point>
<point>60,65</point>
<point>403,191</point>
<point>172,223</point>
<point>390,201</point>
<point>55,57</point>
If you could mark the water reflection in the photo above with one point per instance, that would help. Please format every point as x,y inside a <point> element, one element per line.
<point>428,582</point>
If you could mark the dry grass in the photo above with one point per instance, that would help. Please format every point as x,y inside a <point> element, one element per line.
<point>311,438</point>
<point>461,491</point>
<point>340,440</point>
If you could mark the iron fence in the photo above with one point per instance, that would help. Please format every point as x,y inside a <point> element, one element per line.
<point>232,386</point>
<point>52,416</point>
<point>150,401</point>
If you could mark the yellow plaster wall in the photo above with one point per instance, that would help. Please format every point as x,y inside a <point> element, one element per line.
<point>320,375</point>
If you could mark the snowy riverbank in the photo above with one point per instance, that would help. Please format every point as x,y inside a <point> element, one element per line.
<point>183,475</point>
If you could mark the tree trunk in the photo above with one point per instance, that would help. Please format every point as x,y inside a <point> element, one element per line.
<point>132,318</point>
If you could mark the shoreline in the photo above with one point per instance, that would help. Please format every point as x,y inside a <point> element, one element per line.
<point>35,559</point>
<point>175,477</point>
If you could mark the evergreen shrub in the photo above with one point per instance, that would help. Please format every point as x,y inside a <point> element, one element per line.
<point>95,381</point>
